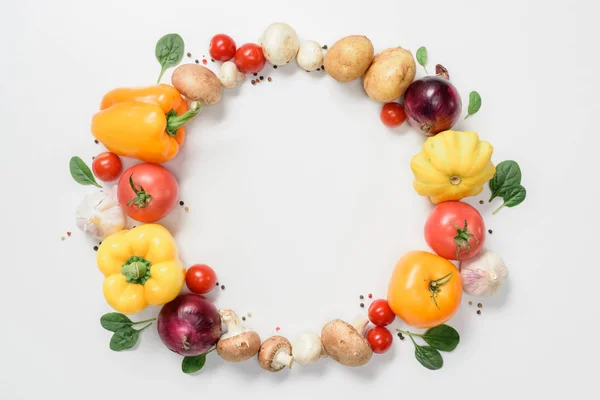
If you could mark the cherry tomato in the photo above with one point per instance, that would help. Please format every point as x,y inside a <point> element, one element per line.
<point>425,289</point>
<point>249,58</point>
<point>380,313</point>
<point>455,230</point>
<point>221,47</point>
<point>392,115</point>
<point>380,339</point>
<point>147,192</point>
<point>107,166</point>
<point>200,278</point>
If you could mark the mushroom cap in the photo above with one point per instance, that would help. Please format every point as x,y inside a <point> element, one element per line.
<point>345,344</point>
<point>240,347</point>
<point>307,348</point>
<point>269,350</point>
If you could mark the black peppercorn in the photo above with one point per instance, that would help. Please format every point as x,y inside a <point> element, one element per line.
<point>181,203</point>
<point>95,248</point>
<point>362,305</point>
<point>222,287</point>
<point>478,312</point>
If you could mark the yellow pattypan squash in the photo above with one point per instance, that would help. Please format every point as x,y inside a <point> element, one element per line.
<point>452,165</point>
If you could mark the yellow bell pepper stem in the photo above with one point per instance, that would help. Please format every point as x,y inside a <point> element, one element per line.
<point>174,121</point>
<point>136,270</point>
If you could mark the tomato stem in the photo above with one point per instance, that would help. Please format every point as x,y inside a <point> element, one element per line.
<point>436,285</point>
<point>141,199</point>
<point>462,239</point>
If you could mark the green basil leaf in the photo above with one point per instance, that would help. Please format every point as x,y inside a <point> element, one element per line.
<point>508,175</point>
<point>422,57</point>
<point>474,103</point>
<point>429,357</point>
<point>114,321</point>
<point>169,51</point>
<point>192,364</point>
<point>442,337</point>
<point>81,172</point>
<point>124,339</point>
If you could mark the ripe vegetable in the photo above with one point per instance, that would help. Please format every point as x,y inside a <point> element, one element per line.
<point>147,192</point>
<point>349,58</point>
<point>425,289</point>
<point>200,278</point>
<point>144,123</point>
<point>249,58</point>
<point>221,47</point>
<point>380,313</point>
<point>483,274</point>
<point>345,343</point>
<point>198,83</point>
<point>99,214</point>
<point>392,115</point>
<point>310,55</point>
<point>432,105</point>
<point>107,166</point>
<point>141,267</point>
<point>452,165</point>
<point>238,343</point>
<point>279,43</point>
<point>189,325</point>
<point>229,75</point>
<point>390,74</point>
<point>307,348</point>
<point>275,354</point>
<point>455,230</point>
<point>380,339</point>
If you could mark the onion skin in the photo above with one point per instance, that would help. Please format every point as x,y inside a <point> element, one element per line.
<point>189,325</point>
<point>432,105</point>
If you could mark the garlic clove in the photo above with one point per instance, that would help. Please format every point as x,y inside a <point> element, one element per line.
<point>483,274</point>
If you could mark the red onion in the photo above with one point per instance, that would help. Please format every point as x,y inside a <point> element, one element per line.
<point>189,325</point>
<point>432,104</point>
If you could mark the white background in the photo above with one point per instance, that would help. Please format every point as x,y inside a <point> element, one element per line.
<point>300,198</point>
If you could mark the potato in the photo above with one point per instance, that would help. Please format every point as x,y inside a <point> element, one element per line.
<point>390,74</point>
<point>349,58</point>
<point>197,83</point>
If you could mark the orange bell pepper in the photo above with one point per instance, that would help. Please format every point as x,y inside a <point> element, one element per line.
<point>143,123</point>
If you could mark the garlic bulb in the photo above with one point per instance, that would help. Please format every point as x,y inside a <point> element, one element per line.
<point>483,274</point>
<point>100,215</point>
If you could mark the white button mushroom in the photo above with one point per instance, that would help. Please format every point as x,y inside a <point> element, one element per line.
<point>307,348</point>
<point>238,343</point>
<point>230,75</point>
<point>345,343</point>
<point>279,43</point>
<point>99,214</point>
<point>275,354</point>
<point>310,55</point>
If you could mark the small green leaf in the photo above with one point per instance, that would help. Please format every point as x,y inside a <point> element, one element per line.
<point>124,339</point>
<point>442,337</point>
<point>81,172</point>
<point>422,57</point>
<point>169,51</point>
<point>115,321</point>
<point>192,364</point>
<point>429,357</point>
<point>508,175</point>
<point>474,103</point>
<point>512,198</point>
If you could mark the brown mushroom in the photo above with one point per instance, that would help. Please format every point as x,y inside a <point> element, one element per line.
<point>238,343</point>
<point>197,83</point>
<point>275,354</point>
<point>345,343</point>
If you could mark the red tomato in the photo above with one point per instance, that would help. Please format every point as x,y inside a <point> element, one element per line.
<point>107,166</point>
<point>455,230</point>
<point>221,47</point>
<point>392,115</point>
<point>147,192</point>
<point>249,58</point>
<point>380,313</point>
<point>380,339</point>
<point>200,278</point>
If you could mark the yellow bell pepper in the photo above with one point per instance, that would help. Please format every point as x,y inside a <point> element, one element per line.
<point>452,165</point>
<point>141,267</point>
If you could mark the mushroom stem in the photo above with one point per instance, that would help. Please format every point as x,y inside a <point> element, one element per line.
<point>283,358</point>
<point>360,323</point>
